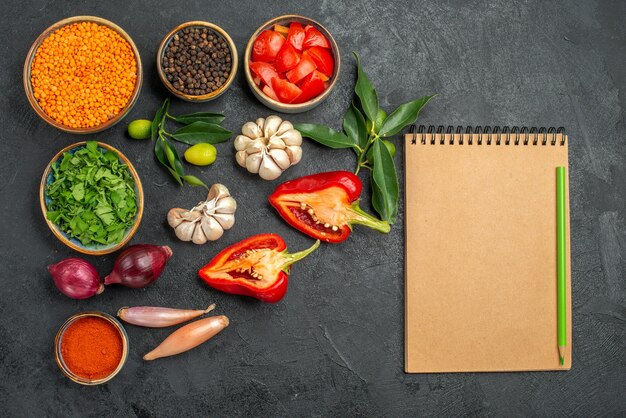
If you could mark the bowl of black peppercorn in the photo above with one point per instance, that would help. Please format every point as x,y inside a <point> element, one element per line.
<point>197,61</point>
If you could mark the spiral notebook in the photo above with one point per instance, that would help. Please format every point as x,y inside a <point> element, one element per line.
<point>481,259</point>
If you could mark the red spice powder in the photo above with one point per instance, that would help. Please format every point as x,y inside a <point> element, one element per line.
<point>91,347</point>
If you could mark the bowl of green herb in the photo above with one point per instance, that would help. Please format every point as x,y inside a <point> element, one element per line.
<point>91,198</point>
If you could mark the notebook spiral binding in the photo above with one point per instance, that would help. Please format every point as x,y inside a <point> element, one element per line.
<point>511,134</point>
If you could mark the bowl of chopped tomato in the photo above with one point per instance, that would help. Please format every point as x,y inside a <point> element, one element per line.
<point>292,63</point>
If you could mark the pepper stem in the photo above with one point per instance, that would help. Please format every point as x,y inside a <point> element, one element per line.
<point>292,258</point>
<point>364,218</point>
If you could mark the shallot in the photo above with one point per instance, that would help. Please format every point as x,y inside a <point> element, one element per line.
<point>76,278</point>
<point>157,317</point>
<point>139,265</point>
<point>189,336</point>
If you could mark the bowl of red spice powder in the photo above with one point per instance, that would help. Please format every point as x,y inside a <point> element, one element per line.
<point>83,74</point>
<point>91,348</point>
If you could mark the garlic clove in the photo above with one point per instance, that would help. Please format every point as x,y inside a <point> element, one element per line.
<point>292,137</point>
<point>284,127</point>
<point>276,143</point>
<point>255,146</point>
<point>190,215</point>
<point>253,162</point>
<point>198,235</point>
<point>269,170</point>
<point>174,217</point>
<point>226,205</point>
<point>226,220</point>
<point>251,130</point>
<point>241,158</point>
<point>218,191</point>
<point>242,142</point>
<point>211,228</point>
<point>294,153</point>
<point>184,231</point>
<point>271,125</point>
<point>260,122</point>
<point>280,158</point>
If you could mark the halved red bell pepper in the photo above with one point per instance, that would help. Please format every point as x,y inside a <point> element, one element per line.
<point>324,205</point>
<point>258,267</point>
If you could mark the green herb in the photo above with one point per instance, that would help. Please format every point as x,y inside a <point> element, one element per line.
<point>92,196</point>
<point>363,130</point>
<point>200,127</point>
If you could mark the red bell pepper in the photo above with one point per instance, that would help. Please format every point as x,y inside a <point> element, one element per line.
<point>258,267</point>
<point>324,205</point>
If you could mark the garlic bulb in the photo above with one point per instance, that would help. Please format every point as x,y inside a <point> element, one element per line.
<point>208,220</point>
<point>268,147</point>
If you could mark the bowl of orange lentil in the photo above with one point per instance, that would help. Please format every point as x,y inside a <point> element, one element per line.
<point>83,74</point>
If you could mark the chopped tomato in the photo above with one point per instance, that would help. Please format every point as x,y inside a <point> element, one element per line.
<point>296,35</point>
<point>312,86</point>
<point>264,70</point>
<point>270,92</point>
<point>266,46</point>
<point>257,80</point>
<point>314,37</point>
<point>287,58</point>
<point>285,91</point>
<point>323,59</point>
<point>305,67</point>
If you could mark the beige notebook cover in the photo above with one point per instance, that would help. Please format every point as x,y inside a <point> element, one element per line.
<point>481,251</point>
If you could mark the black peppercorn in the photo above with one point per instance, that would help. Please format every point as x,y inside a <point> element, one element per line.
<point>197,60</point>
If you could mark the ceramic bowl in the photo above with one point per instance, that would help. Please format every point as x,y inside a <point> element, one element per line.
<point>204,97</point>
<point>31,56</point>
<point>59,355</point>
<point>285,20</point>
<point>73,243</point>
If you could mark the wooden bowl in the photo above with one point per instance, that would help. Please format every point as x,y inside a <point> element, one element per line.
<point>285,20</point>
<point>31,56</point>
<point>234,61</point>
<point>73,243</point>
<point>58,354</point>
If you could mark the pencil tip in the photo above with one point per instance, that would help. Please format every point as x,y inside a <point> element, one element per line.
<point>562,361</point>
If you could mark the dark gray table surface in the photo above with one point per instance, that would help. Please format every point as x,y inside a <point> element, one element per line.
<point>334,345</point>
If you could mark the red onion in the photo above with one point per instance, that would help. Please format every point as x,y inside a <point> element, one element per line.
<point>139,265</point>
<point>76,278</point>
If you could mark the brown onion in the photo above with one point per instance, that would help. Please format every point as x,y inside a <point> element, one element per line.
<point>139,265</point>
<point>76,278</point>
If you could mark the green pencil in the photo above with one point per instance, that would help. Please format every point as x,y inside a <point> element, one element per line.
<point>561,254</point>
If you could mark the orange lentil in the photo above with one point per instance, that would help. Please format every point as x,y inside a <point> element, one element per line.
<point>79,63</point>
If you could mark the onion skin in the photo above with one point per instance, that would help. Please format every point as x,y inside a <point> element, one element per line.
<point>76,278</point>
<point>157,317</point>
<point>189,336</point>
<point>139,265</point>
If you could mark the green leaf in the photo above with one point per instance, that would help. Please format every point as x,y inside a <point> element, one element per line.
<point>207,117</point>
<point>354,126</point>
<point>78,191</point>
<point>403,116</point>
<point>172,156</point>
<point>324,135</point>
<point>159,152</point>
<point>198,132</point>
<point>385,187</point>
<point>158,119</point>
<point>366,92</point>
<point>194,181</point>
